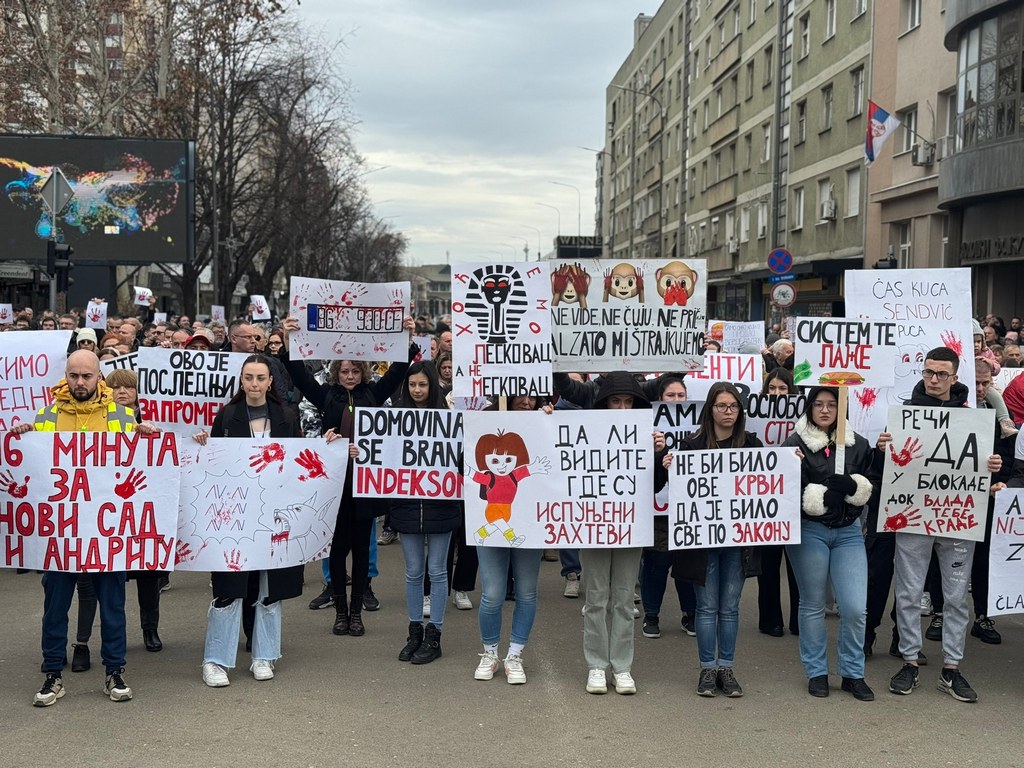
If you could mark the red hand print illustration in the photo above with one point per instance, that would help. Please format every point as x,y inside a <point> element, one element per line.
<point>183,552</point>
<point>8,484</point>
<point>339,348</point>
<point>132,484</point>
<point>305,350</point>
<point>4,315</point>
<point>268,455</point>
<point>396,298</point>
<point>348,298</point>
<point>911,450</point>
<point>234,560</point>
<point>951,341</point>
<point>259,307</point>
<point>866,396</point>
<point>380,346</point>
<point>901,520</point>
<point>95,315</point>
<point>312,463</point>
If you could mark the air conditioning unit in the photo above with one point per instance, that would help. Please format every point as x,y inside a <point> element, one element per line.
<point>828,210</point>
<point>944,147</point>
<point>762,231</point>
<point>922,154</point>
<point>733,246</point>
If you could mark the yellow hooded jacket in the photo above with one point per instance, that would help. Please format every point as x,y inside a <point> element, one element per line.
<point>101,414</point>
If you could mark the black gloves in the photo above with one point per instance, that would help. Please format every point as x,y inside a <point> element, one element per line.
<point>835,500</point>
<point>842,484</point>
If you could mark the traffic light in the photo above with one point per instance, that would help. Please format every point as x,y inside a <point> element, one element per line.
<point>51,258</point>
<point>62,253</point>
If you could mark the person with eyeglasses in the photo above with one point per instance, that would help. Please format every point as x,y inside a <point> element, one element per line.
<point>718,574</point>
<point>939,388</point>
<point>831,547</point>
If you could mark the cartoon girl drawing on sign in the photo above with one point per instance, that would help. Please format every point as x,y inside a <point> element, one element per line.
<point>505,461</point>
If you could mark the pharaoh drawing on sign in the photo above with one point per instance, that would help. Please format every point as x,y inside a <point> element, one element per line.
<point>505,462</point>
<point>496,300</point>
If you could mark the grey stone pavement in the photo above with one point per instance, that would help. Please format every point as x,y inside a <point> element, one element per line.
<point>343,701</point>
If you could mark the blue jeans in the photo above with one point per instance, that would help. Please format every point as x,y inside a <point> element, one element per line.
<point>718,608</point>
<point>58,590</point>
<point>433,561</point>
<point>570,561</point>
<point>654,570</point>
<point>839,553</point>
<point>222,625</point>
<point>373,572</point>
<point>494,562</point>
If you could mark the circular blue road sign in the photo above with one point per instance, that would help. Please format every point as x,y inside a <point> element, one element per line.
<point>780,261</point>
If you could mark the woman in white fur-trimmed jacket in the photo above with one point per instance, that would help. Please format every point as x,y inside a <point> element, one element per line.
<point>831,543</point>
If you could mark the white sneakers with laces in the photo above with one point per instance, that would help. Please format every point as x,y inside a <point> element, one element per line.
<point>596,681</point>
<point>624,683</point>
<point>461,601</point>
<point>214,675</point>
<point>514,672</point>
<point>262,669</point>
<point>487,667</point>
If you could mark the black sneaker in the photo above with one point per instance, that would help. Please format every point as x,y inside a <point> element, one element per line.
<point>905,681</point>
<point>688,625</point>
<point>858,688</point>
<point>953,683</point>
<point>985,630</point>
<point>651,628</point>
<point>934,631</point>
<point>370,601</point>
<point>324,600</point>
<point>53,689</point>
<point>707,683</point>
<point>728,683</point>
<point>116,688</point>
<point>818,686</point>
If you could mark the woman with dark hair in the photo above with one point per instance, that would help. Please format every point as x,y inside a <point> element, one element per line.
<point>426,527</point>
<point>719,573</point>
<point>349,385</point>
<point>831,544</point>
<point>769,596</point>
<point>250,599</point>
<point>443,366</point>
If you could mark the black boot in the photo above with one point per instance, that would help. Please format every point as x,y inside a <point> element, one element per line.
<point>413,642</point>
<point>150,621</point>
<point>370,601</point>
<point>430,649</point>
<point>80,659</point>
<point>340,615</point>
<point>355,624</point>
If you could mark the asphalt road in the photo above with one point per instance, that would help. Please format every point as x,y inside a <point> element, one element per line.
<point>349,701</point>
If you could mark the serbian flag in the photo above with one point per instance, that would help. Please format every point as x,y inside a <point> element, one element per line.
<point>881,125</point>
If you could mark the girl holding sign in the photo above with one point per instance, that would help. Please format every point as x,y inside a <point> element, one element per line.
<point>718,574</point>
<point>831,543</point>
<point>249,598</point>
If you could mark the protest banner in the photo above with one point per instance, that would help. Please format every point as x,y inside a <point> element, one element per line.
<point>933,309</point>
<point>840,352</point>
<point>568,479</point>
<point>425,353</point>
<point>1005,376</point>
<point>128,362</point>
<point>182,389</point>
<point>159,317</point>
<point>31,362</point>
<point>96,315</point>
<point>408,453</point>
<point>605,317</point>
<point>342,320</point>
<point>935,481</point>
<point>1006,554</point>
<point>88,501</point>
<point>254,504</point>
<point>217,314</point>
<point>501,330</point>
<point>745,371</point>
<point>734,497</point>
<point>469,403</point>
<point>260,308</point>
<point>771,417</point>
<point>735,336</point>
<point>6,314</point>
<point>142,296</point>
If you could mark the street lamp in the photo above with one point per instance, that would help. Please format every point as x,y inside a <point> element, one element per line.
<point>527,226</point>
<point>559,229</point>
<point>579,208</point>
<point>661,156</point>
<point>526,246</point>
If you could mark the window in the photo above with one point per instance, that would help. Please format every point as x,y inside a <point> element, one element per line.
<point>908,118</point>
<point>750,79</point>
<point>693,182</point>
<point>730,225</point>
<point>703,236</point>
<point>714,232</point>
<point>824,191</point>
<point>753,12</point>
<point>801,122</point>
<point>768,65</point>
<point>718,103</point>
<point>704,175</point>
<point>857,91</point>
<point>707,113</point>
<point>766,138</point>
<point>798,208</point>
<point>853,192</point>
<point>910,13</point>
<point>805,35</point>
<point>830,19</point>
<point>744,224</point>
<point>826,108</point>
<point>901,234</point>
<point>860,7</point>
<point>762,220</point>
<point>716,167</point>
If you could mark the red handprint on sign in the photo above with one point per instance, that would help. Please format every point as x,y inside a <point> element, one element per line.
<point>8,484</point>
<point>911,450</point>
<point>339,347</point>
<point>866,396</point>
<point>306,350</point>
<point>268,455</point>
<point>259,307</point>
<point>183,552</point>
<point>348,298</point>
<point>396,298</point>
<point>951,341</point>
<point>95,315</point>
<point>234,560</point>
<point>312,463</point>
<point>4,315</point>
<point>132,484</point>
<point>901,520</point>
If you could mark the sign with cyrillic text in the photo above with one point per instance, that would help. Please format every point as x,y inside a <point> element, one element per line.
<point>745,371</point>
<point>1006,554</point>
<point>836,352</point>
<point>88,501</point>
<point>734,336</point>
<point>31,362</point>
<point>771,417</point>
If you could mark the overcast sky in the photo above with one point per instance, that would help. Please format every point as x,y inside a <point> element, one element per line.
<point>471,109</point>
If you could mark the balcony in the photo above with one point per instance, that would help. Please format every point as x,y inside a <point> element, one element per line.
<point>652,177</point>
<point>657,75</point>
<point>726,58</point>
<point>654,127</point>
<point>652,224</point>
<point>724,126</point>
<point>722,193</point>
<point>719,259</point>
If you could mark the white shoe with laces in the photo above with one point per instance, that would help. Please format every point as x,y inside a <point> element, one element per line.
<point>462,602</point>
<point>487,667</point>
<point>514,672</point>
<point>262,669</point>
<point>596,681</point>
<point>624,683</point>
<point>426,606</point>
<point>214,675</point>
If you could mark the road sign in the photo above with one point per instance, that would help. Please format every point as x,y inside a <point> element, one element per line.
<point>787,278</point>
<point>56,192</point>
<point>780,261</point>
<point>783,295</point>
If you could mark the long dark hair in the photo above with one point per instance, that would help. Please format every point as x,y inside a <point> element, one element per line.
<point>272,395</point>
<point>707,421</point>
<point>435,397</point>
<point>782,374</point>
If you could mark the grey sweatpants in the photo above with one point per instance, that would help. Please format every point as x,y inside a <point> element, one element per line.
<point>609,578</point>
<point>913,553</point>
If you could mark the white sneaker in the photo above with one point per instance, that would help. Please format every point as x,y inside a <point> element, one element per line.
<point>636,612</point>
<point>572,585</point>
<point>927,609</point>
<point>426,606</point>
<point>487,667</point>
<point>624,683</point>
<point>262,669</point>
<point>461,601</point>
<point>214,675</point>
<point>514,669</point>
<point>596,682</point>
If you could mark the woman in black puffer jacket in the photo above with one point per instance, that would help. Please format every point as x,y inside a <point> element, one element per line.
<point>831,543</point>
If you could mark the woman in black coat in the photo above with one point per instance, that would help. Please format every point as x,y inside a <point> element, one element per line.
<point>349,386</point>
<point>250,598</point>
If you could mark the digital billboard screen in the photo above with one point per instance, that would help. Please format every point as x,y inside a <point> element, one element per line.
<point>132,203</point>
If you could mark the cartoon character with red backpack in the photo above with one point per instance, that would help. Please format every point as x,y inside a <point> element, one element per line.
<point>505,461</point>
